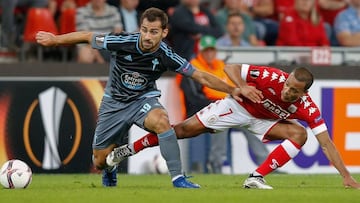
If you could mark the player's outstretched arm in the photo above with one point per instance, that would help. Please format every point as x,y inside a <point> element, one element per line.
<point>49,39</point>
<point>334,156</point>
<point>215,83</point>
<point>233,71</point>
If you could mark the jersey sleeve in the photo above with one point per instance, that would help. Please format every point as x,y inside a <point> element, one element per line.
<point>310,113</point>
<point>98,41</point>
<point>261,74</point>
<point>112,41</point>
<point>186,69</point>
<point>316,122</point>
<point>176,63</point>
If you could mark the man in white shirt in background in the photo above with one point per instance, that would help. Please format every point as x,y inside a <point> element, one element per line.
<point>129,15</point>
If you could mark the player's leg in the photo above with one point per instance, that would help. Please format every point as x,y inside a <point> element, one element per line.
<point>153,117</point>
<point>186,129</point>
<point>157,121</point>
<point>109,178</point>
<point>99,156</point>
<point>111,129</point>
<point>257,147</point>
<point>215,116</point>
<point>294,136</point>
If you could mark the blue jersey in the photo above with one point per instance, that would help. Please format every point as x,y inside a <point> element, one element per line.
<point>133,73</point>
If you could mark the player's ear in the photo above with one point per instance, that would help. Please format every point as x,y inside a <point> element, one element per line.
<point>165,32</point>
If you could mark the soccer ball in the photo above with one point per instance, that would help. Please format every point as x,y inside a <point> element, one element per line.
<point>156,165</point>
<point>15,174</point>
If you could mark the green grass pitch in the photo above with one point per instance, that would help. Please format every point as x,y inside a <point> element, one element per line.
<point>157,188</point>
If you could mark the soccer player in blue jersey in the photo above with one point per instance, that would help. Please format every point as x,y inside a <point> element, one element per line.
<point>131,95</point>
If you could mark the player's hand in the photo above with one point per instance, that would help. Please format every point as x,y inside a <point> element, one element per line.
<point>251,93</point>
<point>236,94</point>
<point>45,38</point>
<point>350,182</point>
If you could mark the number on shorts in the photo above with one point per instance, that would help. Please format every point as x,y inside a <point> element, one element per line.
<point>146,108</point>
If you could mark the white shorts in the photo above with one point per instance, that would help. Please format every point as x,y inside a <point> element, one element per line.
<point>228,113</point>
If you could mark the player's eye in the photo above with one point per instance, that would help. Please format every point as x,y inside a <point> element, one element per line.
<point>295,91</point>
<point>154,32</point>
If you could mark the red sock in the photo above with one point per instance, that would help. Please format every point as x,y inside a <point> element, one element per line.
<point>149,140</point>
<point>278,157</point>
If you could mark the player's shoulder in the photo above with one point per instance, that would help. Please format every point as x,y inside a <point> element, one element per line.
<point>308,106</point>
<point>266,69</point>
<point>123,37</point>
<point>166,50</point>
<point>125,34</point>
<point>165,47</point>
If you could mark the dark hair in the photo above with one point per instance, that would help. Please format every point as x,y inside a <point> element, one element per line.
<point>154,14</point>
<point>304,75</point>
<point>234,14</point>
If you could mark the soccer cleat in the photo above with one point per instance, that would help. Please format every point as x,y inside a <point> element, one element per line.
<point>109,178</point>
<point>118,155</point>
<point>181,182</point>
<point>256,182</point>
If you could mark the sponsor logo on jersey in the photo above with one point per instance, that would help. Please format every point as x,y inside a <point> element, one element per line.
<point>282,79</point>
<point>270,106</point>
<point>265,74</point>
<point>312,110</point>
<point>305,102</point>
<point>133,81</point>
<point>274,76</point>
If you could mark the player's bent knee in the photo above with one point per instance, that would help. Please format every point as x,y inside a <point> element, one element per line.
<point>299,135</point>
<point>162,124</point>
<point>157,121</point>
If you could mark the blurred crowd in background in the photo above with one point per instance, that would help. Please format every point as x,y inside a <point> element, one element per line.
<point>231,22</point>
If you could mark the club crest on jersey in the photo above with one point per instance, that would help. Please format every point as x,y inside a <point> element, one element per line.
<point>154,62</point>
<point>272,91</point>
<point>212,119</point>
<point>128,58</point>
<point>133,81</point>
<point>292,108</point>
<point>270,106</point>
